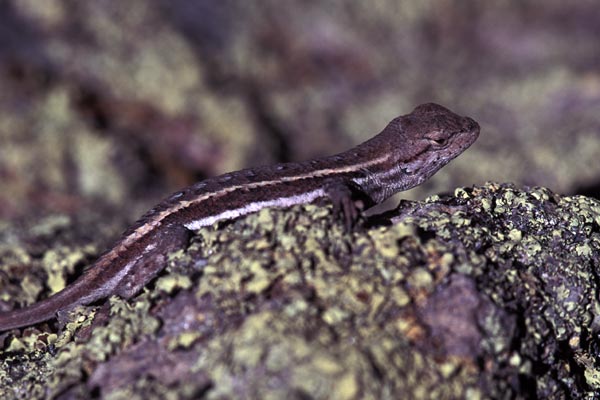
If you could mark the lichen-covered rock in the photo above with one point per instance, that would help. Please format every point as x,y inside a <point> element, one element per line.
<point>489,293</point>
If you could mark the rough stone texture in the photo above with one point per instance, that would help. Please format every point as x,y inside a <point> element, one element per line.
<point>489,293</point>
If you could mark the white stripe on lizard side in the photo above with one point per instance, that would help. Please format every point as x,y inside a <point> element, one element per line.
<point>157,219</point>
<point>256,206</point>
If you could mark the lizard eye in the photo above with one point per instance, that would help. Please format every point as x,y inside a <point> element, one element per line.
<point>438,141</point>
<point>437,138</point>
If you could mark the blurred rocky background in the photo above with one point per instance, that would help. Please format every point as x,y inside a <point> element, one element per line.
<point>110,105</point>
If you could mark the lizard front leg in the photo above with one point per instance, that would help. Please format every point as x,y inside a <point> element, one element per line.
<point>348,200</point>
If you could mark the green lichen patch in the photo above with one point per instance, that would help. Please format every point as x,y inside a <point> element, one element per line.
<point>459,296</point>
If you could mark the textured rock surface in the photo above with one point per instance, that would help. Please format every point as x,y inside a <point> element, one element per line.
<point>490,292</point>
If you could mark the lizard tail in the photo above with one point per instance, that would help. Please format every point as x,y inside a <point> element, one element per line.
<point>45,309</point>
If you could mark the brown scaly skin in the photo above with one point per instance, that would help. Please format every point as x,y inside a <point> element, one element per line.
<point>407,152</point>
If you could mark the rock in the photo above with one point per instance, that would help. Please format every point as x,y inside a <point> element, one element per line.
<point>487,293</point>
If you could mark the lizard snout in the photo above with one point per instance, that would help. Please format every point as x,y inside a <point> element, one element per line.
<point>470,125</point>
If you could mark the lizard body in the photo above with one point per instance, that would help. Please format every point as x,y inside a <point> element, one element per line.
<point>407,152</point>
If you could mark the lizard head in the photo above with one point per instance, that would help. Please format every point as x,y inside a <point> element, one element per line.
<point>438,132</point>
<point>420,143</point>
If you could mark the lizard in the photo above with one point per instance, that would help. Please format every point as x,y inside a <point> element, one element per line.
<point>408,151</point>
